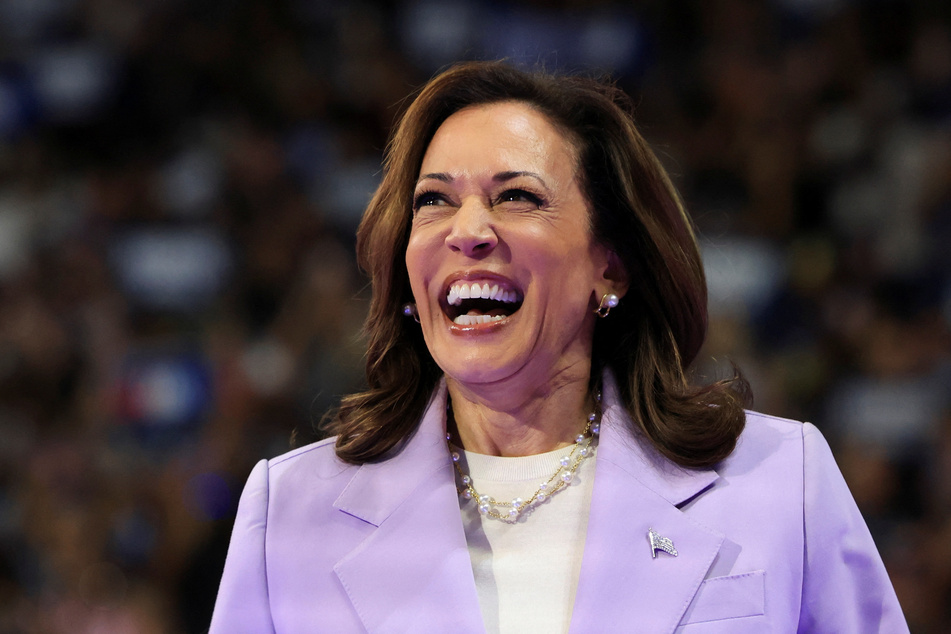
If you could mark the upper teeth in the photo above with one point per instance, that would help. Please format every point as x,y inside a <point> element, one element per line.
<point>486,290</point>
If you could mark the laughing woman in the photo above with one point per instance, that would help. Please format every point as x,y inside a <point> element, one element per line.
<point>529,455</point>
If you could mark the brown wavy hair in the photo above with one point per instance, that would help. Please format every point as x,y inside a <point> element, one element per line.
<point>648,341</point>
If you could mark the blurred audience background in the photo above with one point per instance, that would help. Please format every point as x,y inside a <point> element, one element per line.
<point>179,187</point>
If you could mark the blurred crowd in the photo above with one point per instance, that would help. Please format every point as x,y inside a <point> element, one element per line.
<point>180,183</point>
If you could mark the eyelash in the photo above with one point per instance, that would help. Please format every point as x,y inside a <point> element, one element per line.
<point>427,198</point>
<point>533,198</point>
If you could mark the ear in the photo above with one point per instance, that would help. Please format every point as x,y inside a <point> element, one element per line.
<point>615,275</point>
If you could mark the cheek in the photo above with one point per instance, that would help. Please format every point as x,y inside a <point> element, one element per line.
<point>574,272</point>
<point>570,258</point>
<point>414,251</point>
<point>418,255</point>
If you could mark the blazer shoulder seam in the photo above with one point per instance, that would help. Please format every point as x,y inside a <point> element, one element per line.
<point>321,445</point>
<point>267,511</point>
<point>775,419</point>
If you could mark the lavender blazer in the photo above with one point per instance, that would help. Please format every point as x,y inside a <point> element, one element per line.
<point>768,541</point>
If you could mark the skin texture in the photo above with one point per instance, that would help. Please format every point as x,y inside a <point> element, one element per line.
<point>498,199</point>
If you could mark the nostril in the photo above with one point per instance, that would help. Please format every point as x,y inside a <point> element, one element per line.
<point>471,244</point>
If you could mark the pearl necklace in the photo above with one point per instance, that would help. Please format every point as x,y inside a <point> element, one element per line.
<point>511,511</point>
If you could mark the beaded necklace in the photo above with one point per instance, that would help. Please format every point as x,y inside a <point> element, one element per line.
<point>510,511</point>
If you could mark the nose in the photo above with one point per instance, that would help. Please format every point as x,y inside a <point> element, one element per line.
<point>472,233</point>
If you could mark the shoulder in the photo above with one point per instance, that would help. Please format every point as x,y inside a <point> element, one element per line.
<point>768,441</point>
<point>760,426</point>
<point>786,458</point>
<point>768,467</point>
<point>317,454</point>
<point>313,469</point>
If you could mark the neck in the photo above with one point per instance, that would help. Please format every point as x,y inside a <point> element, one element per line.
<point>506,421</point>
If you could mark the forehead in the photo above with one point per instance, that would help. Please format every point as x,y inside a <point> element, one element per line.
<point>501,134</point>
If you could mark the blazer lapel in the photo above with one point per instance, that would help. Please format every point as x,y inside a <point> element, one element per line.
<point>413,572</point>
<point>622,587</point>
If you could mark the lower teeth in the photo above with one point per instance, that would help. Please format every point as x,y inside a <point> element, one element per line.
<point>472,320</point>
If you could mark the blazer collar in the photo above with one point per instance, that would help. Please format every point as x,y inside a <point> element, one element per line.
<point>638,458</point>
<point>635,490</point>
<point>377,489</point>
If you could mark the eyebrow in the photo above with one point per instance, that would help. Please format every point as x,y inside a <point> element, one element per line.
<point>446,178</point>
<point>501,177</point>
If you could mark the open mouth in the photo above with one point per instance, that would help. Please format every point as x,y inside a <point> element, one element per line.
<point>473,303</point>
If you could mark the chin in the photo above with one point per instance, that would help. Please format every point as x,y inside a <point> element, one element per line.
<point>481,363</point>
<point>478,367</point>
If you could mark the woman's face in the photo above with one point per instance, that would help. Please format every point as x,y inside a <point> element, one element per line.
<point>501,260</point>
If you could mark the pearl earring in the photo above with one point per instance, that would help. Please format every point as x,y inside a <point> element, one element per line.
<point>409,310</point>
<point>608,301</point>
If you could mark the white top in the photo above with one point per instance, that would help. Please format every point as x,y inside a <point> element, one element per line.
<point>527,572</point>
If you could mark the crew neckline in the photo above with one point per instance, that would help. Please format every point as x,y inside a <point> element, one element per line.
<point>486,468</point>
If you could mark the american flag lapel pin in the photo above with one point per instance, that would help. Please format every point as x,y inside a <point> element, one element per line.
<point>659,542</point>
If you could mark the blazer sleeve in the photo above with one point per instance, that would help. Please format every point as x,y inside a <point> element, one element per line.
<point>242,604</point>
<point>845,585</point>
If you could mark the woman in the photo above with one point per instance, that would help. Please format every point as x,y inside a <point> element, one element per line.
<point>529,455</point>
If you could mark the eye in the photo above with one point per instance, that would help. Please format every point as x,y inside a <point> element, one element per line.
<point>428,199</point>
<point>519,196</point>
